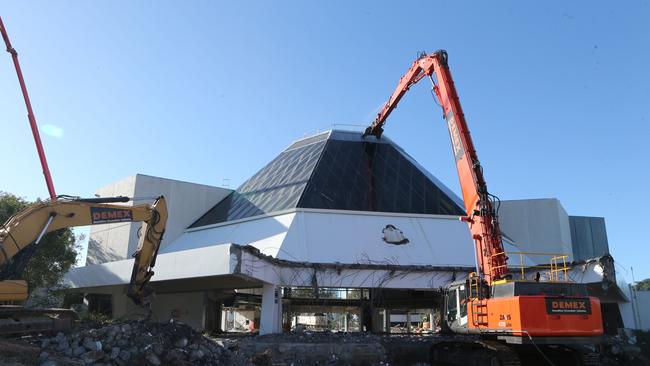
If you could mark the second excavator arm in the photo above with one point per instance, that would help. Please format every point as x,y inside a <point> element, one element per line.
<point>22,233</point>
<point>481,214</point>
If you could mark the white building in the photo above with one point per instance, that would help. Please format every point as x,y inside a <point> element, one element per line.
<point>333,224</point>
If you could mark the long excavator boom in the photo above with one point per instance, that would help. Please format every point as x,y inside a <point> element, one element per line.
<point>481,215</point>
<point>496,307</point>
<point>21,235</point>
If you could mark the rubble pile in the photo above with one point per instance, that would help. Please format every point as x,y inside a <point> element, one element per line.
<point>138,343</point>
<point>308,336</point>
<point>313,348</point>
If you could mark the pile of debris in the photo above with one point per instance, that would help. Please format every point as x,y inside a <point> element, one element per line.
<point>308,336</point>
<point>138,343</point>
<point>313,348</point>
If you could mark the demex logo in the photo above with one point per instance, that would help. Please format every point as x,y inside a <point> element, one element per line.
<point>568,306</point>
<point>103,215</point>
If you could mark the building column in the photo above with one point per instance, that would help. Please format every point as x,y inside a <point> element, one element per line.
<point>271,314</point>
<point>346,318</point>
<point>408,321</point>
<point>377,323</point>
<point>224,319</point>
<point>218,312</point>
<point>387,320</point>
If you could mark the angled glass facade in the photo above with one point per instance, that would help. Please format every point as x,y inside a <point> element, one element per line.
<point>370,176</point>
<point>338,171</point>
<point>278,186</point>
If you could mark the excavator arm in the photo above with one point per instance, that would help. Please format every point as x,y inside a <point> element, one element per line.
<point>481,214</point>
<point>21,235</point>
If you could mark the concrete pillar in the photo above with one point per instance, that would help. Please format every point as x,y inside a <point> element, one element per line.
<point>387,320</point>
<point>377,322</point>
<point>365,318</point>
<point>224,319</point>
<point>408,321</point>
<point>271,316</point>
<point>346,319</point>
<point>218,312</point>
<point>431,321</point>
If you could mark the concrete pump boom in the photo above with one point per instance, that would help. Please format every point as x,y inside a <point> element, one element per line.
<point>30,113</point>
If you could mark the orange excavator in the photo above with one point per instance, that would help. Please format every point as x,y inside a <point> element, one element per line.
<point>500,316</point>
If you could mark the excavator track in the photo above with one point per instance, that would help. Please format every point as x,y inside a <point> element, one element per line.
<point>472,351</point>
<point>591,359</point>
<point>506,355</point>
<point>15,320</point>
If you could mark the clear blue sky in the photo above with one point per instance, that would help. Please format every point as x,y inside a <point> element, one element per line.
<point>557,94</point>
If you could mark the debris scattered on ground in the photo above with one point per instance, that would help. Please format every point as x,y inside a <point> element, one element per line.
<point>138,343</point>
<point>307,347</point>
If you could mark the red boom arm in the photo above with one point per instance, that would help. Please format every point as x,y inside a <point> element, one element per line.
<point>30,113</point>
<point>481,216</point>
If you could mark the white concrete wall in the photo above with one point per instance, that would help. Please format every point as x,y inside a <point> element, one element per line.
<point>537,225</point>
<point>186,202</point>
<point>109,242</point>
<point>643,309</point>
<point>329,236</point>
<point>193,263</point>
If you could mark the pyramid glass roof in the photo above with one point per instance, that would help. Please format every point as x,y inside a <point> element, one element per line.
<point>338,170</point>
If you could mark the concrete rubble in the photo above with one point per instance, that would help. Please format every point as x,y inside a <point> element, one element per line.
<point>330,348</point>
<point>137,343</point>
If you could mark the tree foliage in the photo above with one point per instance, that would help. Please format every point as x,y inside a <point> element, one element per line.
<point>56,254</point>
<point>643,285</point>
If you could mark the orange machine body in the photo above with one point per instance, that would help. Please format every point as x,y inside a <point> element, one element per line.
<point>537,316</point>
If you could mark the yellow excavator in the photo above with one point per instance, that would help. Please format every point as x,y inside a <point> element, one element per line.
<point>21,236</point>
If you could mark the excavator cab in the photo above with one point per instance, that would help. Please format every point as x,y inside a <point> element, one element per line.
<point>456,301</point>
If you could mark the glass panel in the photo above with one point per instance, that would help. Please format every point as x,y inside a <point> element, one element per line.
<point>365,176</point>
<point>452,306</point>
<point>462,295</point>
<point>278,186</point>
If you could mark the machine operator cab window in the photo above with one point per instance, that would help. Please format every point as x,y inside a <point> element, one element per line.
<point>457,305</point>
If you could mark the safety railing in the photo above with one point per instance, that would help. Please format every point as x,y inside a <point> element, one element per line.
<point>474,286</point>
<point>553,266</point>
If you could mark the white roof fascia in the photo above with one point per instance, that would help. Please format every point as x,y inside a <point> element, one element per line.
<point>201,262</point>
<point>319,210</point>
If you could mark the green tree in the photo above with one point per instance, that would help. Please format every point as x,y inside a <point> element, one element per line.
<point>643,285</point>
<point>56,254</point>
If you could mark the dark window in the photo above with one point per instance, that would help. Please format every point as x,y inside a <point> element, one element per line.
<point>373,177</point>
<point>100,304</point>
<point>452,306</point>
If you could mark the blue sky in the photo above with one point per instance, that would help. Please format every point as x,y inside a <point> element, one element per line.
<point>556,93</point>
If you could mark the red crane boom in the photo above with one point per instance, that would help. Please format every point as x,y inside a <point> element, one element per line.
<point>30,113</point>
<point>481,214</point>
